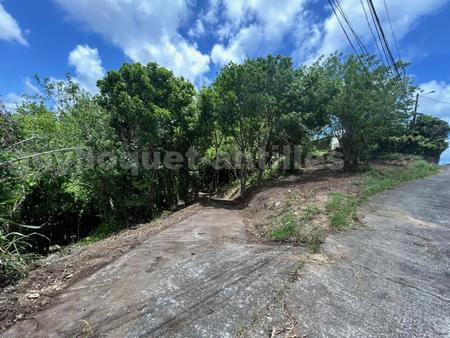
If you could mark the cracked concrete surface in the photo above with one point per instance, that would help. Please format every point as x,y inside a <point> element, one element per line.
<point>199,278</point>
<point>389,279</point>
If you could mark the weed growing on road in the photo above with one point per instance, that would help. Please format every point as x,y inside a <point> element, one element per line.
<point>277,303</point>
<point>342,208</point>
<point>313,236</point>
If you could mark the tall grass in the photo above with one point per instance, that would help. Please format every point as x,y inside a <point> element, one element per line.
<point>375,181</point>
<point>14,256</point>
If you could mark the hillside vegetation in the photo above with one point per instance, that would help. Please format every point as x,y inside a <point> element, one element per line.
<point>76,166</point>
<point>305,209</point>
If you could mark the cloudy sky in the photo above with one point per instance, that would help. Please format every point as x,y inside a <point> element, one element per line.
<point>194,38</point>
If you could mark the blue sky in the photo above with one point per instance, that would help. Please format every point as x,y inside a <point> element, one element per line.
<point>194,38</point>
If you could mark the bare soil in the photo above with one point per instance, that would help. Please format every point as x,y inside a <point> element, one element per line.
<point>296,194</point>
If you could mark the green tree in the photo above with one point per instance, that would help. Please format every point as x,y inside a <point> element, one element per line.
<point>307,104</point>
<point>370,102</point>
<point>59,185</point>
<point>243,112</point>
<point>151,110</point>
<point>436,132</point>
<point>428,137</point>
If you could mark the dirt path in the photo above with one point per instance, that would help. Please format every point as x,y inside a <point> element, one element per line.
<point>199,278</point>
<point>388,279</point>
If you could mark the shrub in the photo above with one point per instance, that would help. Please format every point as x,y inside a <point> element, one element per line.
<point>13,256</point>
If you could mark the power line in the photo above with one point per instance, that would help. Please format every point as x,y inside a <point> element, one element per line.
<point>345,32</point>
<point>373,34</point>
<point>392,30</point>
<point>358,40</point>
<point>364,67</point>
<point>335,6</point>
<point>384,40</point>
<point>431,99</point>
<point>377,29</point>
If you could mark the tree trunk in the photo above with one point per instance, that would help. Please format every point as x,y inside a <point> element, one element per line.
<point>350,164</point>
<point>243,181</point>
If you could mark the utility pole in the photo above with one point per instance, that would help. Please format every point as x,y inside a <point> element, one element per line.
<point>415,111</point>
<point>416,106</point>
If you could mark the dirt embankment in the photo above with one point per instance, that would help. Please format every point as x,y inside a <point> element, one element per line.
<point>305,197</point>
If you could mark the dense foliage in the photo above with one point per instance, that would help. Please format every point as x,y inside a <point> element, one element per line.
<point>74,165</point>
<point>427,136</point>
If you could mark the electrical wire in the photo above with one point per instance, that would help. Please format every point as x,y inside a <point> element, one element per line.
<point>392,30</point>
<point>373,34</point>
<point>377,29</point>
<point>384,40</point>
<point>345,32</point>
<point>435,100</point>
<point>358,40</point>
<point>364,67</point>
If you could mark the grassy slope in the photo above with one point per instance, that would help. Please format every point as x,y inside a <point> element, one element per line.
<point>341,207</point>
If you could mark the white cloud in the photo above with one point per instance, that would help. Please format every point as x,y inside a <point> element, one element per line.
<point>30,87</point>
<point>254,27</point>
<point>12,100</point>
<point>221,55</point>
<point>404,14</point>
<point>436,103</point>
<point>9,28</point>
<point>197,30</point>
<point>150,30</point>
<point>144,30</point>
<point>248,41</point>
<point>179,56</point>
<point>88,67</point>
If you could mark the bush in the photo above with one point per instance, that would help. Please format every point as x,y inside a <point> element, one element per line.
<point>13,255</point>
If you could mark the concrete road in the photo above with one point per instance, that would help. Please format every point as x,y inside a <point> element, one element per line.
<point>199,278</point>
<point>388,279</point>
